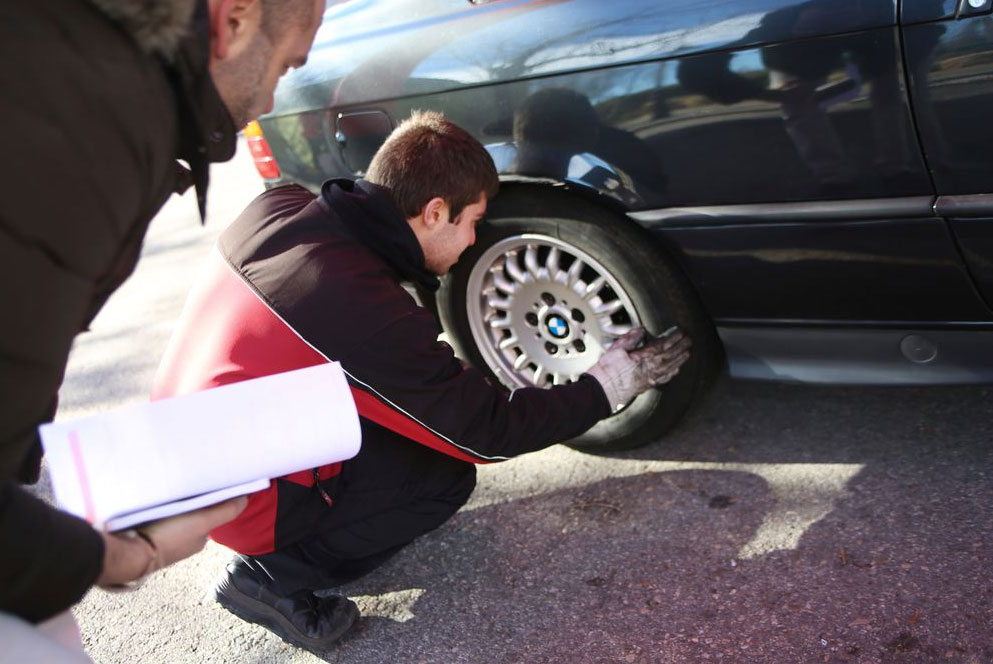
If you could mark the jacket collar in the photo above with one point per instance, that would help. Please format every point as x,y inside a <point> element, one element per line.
<point>156,26</point>
<point>370,215</point>
<point>206,130</point>
<point>177,32</point>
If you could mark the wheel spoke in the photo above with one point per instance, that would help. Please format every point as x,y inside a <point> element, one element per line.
<point>608,308</point>
<point>500,303</point>
<point>501,323</point>
<point>507,287</point>
<point>552,263</point>
<point>531,262</point>
<point>595,287</point>
<point>615,330</point>
<point>521,361</point>
<point>509,342</point>
<point>572,277</point>
<point>514,270</point>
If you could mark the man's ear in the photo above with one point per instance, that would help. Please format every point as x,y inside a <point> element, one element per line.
<point>233,23</point>
<point>435,213</point>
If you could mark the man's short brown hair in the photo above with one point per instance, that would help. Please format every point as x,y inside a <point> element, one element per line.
<point>279,15</point>
<point>428,156</point>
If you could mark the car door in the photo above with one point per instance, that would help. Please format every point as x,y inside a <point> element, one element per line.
<point>799,192</point>
<point>949,56</point>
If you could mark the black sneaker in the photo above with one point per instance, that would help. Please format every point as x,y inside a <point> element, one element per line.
<point>302,619</point>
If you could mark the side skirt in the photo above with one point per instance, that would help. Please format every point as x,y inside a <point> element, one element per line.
<point>851,356</point>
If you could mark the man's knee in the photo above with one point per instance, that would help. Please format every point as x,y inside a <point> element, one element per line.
<point>461,487</point>
<point>439,498</point>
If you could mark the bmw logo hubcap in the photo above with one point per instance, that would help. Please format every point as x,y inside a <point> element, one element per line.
<point>557,326</point>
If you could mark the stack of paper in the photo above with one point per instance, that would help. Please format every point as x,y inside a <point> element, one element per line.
<point>152,460</point>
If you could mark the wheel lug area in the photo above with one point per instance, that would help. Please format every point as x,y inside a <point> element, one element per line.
<point>548,298</point>
<point>579,345</point>
<point>551,348</point>
<point>531,319</point>
<point>577,315</point>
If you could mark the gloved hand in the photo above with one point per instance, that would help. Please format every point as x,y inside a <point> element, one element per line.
<point>626,371</point>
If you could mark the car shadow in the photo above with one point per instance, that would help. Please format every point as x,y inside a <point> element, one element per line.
<point>882,559</point>
<point>758,422</point>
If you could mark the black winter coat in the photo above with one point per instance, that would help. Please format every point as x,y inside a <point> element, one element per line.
<point>93,120</point>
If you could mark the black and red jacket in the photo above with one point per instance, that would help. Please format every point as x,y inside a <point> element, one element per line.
<point>298,280</point>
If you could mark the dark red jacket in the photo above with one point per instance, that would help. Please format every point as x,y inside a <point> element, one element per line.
<point>297,281</point>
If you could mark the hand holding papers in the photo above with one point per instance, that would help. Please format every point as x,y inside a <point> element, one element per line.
<point>148,461</point>
<point>130,557</point>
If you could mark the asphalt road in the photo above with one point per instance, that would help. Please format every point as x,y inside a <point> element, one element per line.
<point>778,524</point>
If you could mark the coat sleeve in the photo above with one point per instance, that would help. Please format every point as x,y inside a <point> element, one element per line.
<point>405,367</point>
<point>49,559</point>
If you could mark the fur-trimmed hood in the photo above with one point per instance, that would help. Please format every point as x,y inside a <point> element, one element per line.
<point>177,32</point>
<point>157,26</point>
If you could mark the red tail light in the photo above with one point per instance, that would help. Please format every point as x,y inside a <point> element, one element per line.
<point>261,154</point>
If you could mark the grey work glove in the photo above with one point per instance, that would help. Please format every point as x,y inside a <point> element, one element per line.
<point>625,371</point>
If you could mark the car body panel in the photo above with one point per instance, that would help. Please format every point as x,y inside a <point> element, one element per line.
<point>369,51</point>
<point>842,133</point>
<point>770,146</point>
<point>976,239</point>
<point>950,64</point>
<point>921,11</point>
<point>906,356</point>
<point>841,272</point>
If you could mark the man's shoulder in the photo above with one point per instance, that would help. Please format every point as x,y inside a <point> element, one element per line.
<point>288,198</point>
<point>270,212</point>
<point>289,241</point>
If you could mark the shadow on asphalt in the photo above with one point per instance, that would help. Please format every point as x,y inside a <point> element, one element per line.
<point>647,568</point>
<point>755,422</point>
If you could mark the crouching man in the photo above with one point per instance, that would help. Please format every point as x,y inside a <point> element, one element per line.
<point>298,280</point>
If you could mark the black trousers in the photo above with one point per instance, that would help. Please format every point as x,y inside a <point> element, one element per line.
<point>393,491</point>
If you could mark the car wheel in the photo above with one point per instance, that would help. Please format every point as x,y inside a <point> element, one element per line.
<point>551,282</point>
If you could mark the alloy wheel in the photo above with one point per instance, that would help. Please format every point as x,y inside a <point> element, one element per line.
<point>542,311</point>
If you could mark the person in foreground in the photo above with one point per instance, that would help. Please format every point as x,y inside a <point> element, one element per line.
<point>98,101</point>
<point>299,280</point>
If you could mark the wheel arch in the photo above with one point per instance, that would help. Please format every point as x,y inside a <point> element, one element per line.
<point>516,184</point>
<point>568,194</point>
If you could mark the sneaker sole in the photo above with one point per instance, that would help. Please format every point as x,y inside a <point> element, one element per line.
<point>253,611</point>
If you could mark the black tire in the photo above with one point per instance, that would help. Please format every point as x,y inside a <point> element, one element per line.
<point>650,280</point>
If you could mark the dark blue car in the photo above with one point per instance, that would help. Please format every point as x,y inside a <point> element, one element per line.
<point>805,186</point>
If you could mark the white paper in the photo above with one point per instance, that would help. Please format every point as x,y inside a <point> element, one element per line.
<point>185,505</point>
<point>155,453</point>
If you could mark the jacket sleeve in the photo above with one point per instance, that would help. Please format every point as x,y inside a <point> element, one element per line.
<point>405,367</point>
<point>49,558</point>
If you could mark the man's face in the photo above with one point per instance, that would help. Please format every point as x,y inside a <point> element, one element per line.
<point>247,78</point>
<point>446,242</point>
